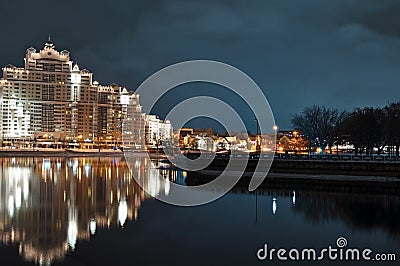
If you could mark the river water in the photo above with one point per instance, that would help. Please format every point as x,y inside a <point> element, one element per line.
<point>90,211</point>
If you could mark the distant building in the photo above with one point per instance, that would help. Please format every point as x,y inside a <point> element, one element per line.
<point>157,131</point>
<point>134,121</point>
<point>291,141</point>
<point>185,131</point>
<point>51,94</point>
<point>205,143</point>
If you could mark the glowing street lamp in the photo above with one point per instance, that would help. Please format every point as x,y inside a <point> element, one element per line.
<point>258,144</point>
<point>275,128</point>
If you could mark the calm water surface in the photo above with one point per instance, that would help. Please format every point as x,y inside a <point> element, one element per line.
<point>90,211</point>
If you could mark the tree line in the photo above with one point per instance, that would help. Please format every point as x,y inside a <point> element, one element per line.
<point>368,129</point>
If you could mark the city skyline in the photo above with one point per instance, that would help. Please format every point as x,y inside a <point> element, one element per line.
<point>343,54</point>
<point>51,101</point>
<point>50,97</point>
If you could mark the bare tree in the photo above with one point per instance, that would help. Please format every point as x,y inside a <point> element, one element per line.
<point>392,126</point>
<point>319,124</point>
<point>365,130</point>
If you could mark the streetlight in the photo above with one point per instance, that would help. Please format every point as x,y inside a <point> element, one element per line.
<point>275,128</point>
<point>258,146</point>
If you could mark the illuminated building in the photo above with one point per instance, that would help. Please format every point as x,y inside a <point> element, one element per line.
<point>51,96</point>
<point>133,127</point>
<point>157,131</point>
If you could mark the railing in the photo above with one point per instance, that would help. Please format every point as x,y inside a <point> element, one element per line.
<point>303,157</point>
<point>335,157</point>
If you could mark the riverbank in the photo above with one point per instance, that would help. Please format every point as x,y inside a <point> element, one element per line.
<point>71,153</point>
<point>315,182</point>
<point>353,168</point>
<point>57,153</point>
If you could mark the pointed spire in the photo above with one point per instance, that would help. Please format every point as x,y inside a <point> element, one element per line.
<point>49,44</point>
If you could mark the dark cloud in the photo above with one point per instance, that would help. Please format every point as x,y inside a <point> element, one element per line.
<point>340,53</point>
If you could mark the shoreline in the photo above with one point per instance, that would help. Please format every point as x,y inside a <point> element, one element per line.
<point>315,182</point>
<point>6,153</point>
<point>317,167</point>
<point>345,168</point>
<point>356,169</point>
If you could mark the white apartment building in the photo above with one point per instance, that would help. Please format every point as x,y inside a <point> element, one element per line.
<point>52,96</point>
<point>157,131</point>
<point>133,127</point>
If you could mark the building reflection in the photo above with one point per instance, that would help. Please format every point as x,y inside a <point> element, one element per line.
<point>47,205</point>
<point>367,212</point>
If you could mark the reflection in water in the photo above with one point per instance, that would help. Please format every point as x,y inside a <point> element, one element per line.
<point>294,198</point>
<point>47,205</point>
<point>359,211</point>
<point>274,206</point>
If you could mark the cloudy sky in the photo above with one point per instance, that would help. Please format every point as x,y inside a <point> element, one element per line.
<point>343,53</point>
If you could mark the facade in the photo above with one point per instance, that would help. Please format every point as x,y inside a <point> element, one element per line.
<point>157,131</point>
<point>133,126</point>
<point>51,97</point>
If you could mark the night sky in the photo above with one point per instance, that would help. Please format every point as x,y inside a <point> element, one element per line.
<point>342,54</point>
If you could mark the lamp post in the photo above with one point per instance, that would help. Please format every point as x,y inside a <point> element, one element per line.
<point>258,146</point>
<point>275,128</point>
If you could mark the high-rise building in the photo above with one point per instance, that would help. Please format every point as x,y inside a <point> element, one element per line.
<point>51,98</point>
<point>133,127</point>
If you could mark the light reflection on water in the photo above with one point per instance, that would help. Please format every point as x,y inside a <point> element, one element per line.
<point>48,206</point>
